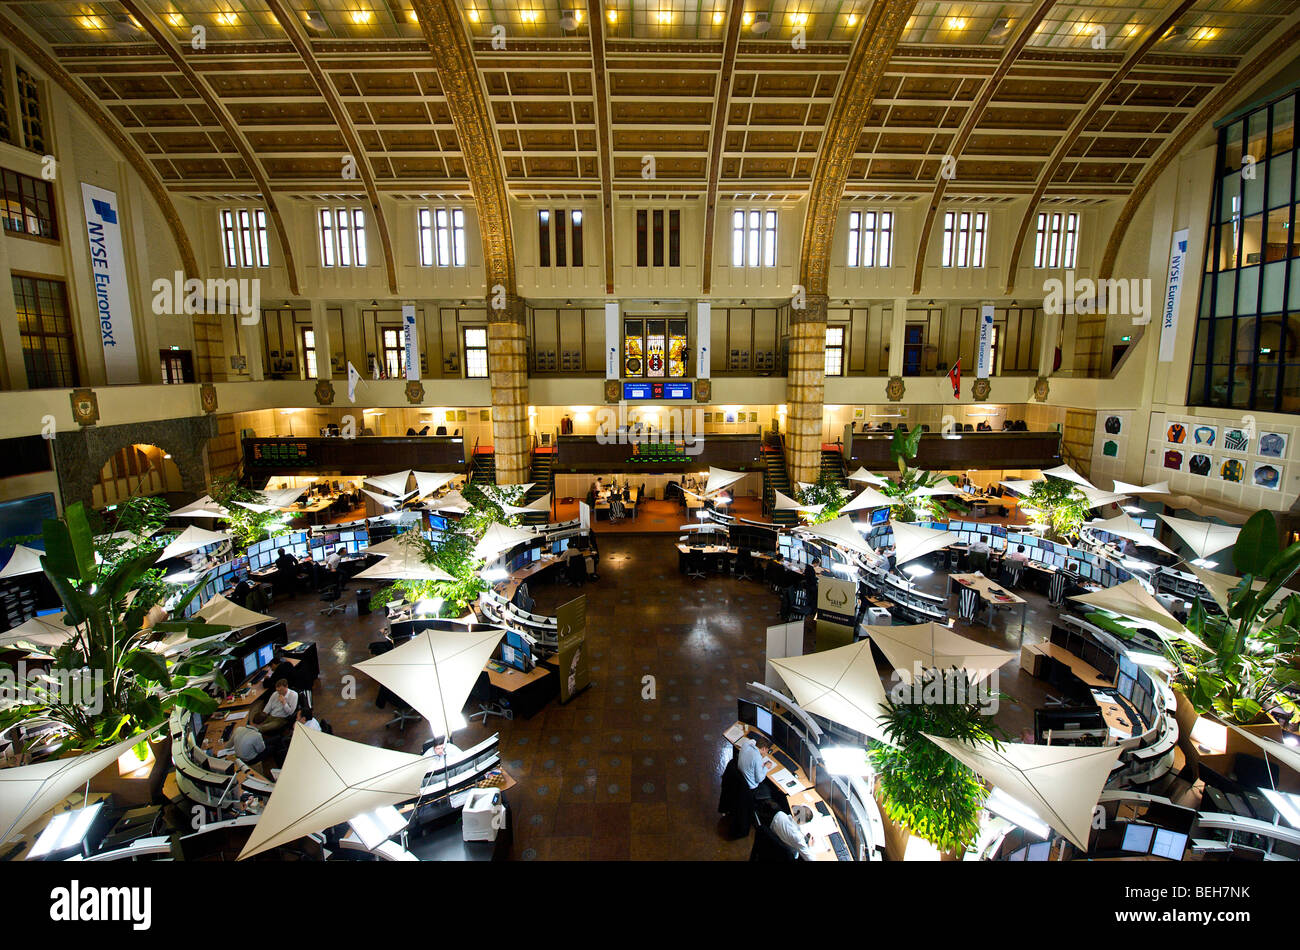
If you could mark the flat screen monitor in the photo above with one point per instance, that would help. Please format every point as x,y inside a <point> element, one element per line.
<point>747,712</point>
<point>515,659</point>
<point>250,664</point>
<point>1039,851</point>
<point>1169,844</point>
<point>265,654</point>
<point>1018,854</point>
<point>363,536</point>
<point>880,516</point>
<point>1138,838</point>
<point>763,720</point>
<point>318,541</point>
<point>196,726</point>
<point>535,554</point>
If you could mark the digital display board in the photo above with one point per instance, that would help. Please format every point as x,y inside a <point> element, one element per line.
<point>659,389</point>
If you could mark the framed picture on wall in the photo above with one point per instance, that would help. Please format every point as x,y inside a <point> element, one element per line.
<point>1272,445</point>
<point>485,415</point>
<point>462,415</point>
<point>1267,476</point>
<point>753,417</point>
<point>1232,470</point>
<point>859,413</point>
<point>1205,435</point>
<point>729,418</point>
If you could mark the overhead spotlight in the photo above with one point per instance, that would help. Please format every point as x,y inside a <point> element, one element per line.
<point>717,17</point>
<point>1001,27</point>
<point>611,16</point>
<point>569,19</point>
<point>315,21</point>
<point>852,19</point>
<point>762,23</point>
<point>1175,32</point>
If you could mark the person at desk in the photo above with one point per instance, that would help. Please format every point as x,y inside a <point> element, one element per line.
<point>286,572</point>
<point>442,752</point>
<point>752,768</point>
<point>333,561</point>
<point>810,585</point>
<point>964,484</point>
<point>240,594</point>
<point>788,829</point>
<point>308,718</point>
<point>979,554</point>
<point>247,743</point>
<point>280,707</point>
<point>1019,555</point>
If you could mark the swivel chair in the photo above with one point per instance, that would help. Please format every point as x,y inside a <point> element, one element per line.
<point>403,712</point>
<point>330,596</point>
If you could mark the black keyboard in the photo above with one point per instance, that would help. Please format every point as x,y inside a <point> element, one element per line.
<point>841,849</point>
<point>822,809</point>
<point>785,760</point>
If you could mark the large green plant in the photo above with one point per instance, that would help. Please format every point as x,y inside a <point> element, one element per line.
<point>1248,656</point>
<point>921,786</point>
<point>902,448</point>
<point>1059,506</point>
<point>247,526</point>
<point>826,491</point>
<point>107,600</point>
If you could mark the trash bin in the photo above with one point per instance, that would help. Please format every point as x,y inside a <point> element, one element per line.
<point>363,602</point>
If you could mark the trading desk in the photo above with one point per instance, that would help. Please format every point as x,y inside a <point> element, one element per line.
<point>991,595</point>
<point>524,693</point>
<point>1031,654</point>
<point>804,793</point>
<point>510,585</point>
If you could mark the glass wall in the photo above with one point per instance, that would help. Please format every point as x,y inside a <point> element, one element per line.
<point>1247,353</point>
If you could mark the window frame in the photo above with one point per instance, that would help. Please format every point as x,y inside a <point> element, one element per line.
<point>837,348</point>
<point>965,238</point>
<point>754,237</point>
<point>470,352</point>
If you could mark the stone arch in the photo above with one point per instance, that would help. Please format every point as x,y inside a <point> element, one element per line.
<point>80,456</point>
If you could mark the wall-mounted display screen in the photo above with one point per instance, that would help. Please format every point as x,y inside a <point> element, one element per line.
<point>658,390</point>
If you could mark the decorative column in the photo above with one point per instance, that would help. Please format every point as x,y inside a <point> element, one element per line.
<point>805,390</point>
<point>508,371</point>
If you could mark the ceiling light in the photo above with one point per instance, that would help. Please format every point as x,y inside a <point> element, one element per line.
<point>717,17</point>
<point>853,19</point>
<point>528,16</point>
<point>361,17</point>
<point>175,19</point>
<point>1205,33</point>
<point>611,16</point>
<point>569,19</point>
<point>747,18</point>
<point>956,23</point>
<point>762,23</point>
<point>315,20</point>
<point>1001,27</point>
<point>473,16</point>
<point>412,16</point>
<point>227,18</point>
<point>664,16</point>
<point>800,19</point>
<point>91,22</point>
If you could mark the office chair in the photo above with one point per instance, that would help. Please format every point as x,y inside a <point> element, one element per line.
<point>330,596</point>
<point>695,566</point>
<point>575,571</point>
<point>402,709</point>
<point>616,512</point>
<point>410,430</point>
<point>1011,571</point>
<point>424,431</point>
<point>744,565</point>
<point>441,430</point>
<point>487,709</point>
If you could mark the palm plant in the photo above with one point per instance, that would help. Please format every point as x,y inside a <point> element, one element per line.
<point>921,786</point>
<point>107,601</point>
<point>827,492</point>
<point>1246,657</point>
<point>246,525</point>
<point>1058,505</point>
<point>902,447</point>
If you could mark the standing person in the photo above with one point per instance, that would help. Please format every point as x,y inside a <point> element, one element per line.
<point>286,572</point>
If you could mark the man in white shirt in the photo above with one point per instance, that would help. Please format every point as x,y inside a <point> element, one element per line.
<point>308,718</point>
<point>280,707</point>
<point>1019,555</point>
<point>443,752</point>
<point>332,562</point>
<point>979,553</point>
<point>789,831</point>
<point>247,743</point>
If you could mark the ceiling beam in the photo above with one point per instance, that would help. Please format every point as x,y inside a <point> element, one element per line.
<point>1273,57</point>
<point>293,30</point>
<point>453,55</point>
<point>164,41</point>
<point>973,115</point>
<point>600,92</point>
<point>877,39</point>
<point>1080,124</point>
<point>721,104</point>
<point>148,174</point>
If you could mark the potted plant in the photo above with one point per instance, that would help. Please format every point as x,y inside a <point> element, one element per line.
<point>1057,505</point>
<point>922,789</point>
<point>903,446</point>
<point>827,492</point>
<point>246,525</point>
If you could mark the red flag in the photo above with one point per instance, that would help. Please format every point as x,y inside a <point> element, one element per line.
<point>954,375</point>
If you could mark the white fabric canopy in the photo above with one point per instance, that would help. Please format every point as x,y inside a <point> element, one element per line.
<point>435,671</point>
<point>220,610</point>
<point>912,541</point>
<point>1069,474</point>
<point>453,501</point>
<point>391,546</point>
<point>867,498</point>
<point>1130,599</point>
<point>841,531</point>
<point>48,632</point>
<point>1125,527</point>
<point>255,506</point>
<point>190,540</point>
<point>500,537</point>
<point>720,478</point>
<point>1098,498</point>
<point>204,507</point>
<point>933,645</point>
<point>786,503</point>
<point>426,483</point>
<point>1275,750</point>
<point>387,501</point>
<point>284,497</point>
<point>29,791</point>
<point>929,491</point>
<point>24,560</point>
<point>406,566</point>
<point>1203,537</point>
<point>394,484</point>
<point>541,504</point>
<point>1060,784</point>
<point>862,475</point>
<point>1159,488</point>
<point>327,781</point>
<point>840,684</point>
<point>1220,586</point>
<point>1020,486</point>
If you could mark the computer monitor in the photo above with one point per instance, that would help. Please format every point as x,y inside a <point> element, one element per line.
<point>1168,844</point>
<point>265,654</point>
<point>880,516</point>
<point>513,658</point>
<point>250,664</point>
<point>318,541</point>
<point>747,712</point>
<point>1137,837</point>
<point>196,726</point>
<point>1018,854</point>
<point>535,554</point>
<point>1039,851</point>
<point>763,721</point>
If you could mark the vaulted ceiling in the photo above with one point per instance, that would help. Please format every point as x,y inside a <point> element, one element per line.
<point>569,103</point>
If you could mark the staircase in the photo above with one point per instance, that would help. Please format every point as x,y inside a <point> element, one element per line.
<point>542,475</point>
<point>833,467</point>
<point>482,468</point>
<point>776,479</point>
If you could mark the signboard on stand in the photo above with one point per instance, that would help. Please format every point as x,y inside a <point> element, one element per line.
<point>571,630</point>
<point>837,605</point>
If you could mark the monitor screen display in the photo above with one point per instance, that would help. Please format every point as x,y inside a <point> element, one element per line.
<point>1169,844</point>
<point>515,659</point>
<point>250,664</point>
<point>763,720</point>
<point>265,654</point>
<point>747,712</point>
<point>1039,851</point>
<point>880,516</point>
<point>1018,854</point>
<point>318,541</point>
<point>1138,838</point>
<point>535,554</point>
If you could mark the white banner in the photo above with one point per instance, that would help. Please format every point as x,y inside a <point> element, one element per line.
<point>1173,294</point>
<point>613,365</point>
<point>108,270</point>
<point>703,333</point>
<point>411,341</point>
<point>984,343</point>
<point>353,378</point>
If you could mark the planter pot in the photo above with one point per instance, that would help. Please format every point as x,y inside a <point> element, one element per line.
<point>902,845</point>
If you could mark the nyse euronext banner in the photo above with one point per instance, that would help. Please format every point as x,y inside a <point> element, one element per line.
<point>108,272</point>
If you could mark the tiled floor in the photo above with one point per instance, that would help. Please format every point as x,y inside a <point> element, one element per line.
<point>613,775</point>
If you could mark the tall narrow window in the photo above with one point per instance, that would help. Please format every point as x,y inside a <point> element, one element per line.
<point>642,238</point>
<point>870,238</point>
<point>327,243</point>
<point>246,238</point>
<point>476,353</point>
<point>29,104</point>
<point>561,252</point>
<point>393,344</point>
<point>28,205</point>
<point>424,236</point>
<point>343,237</point>
<point>577,238</point>
<point>753,238</point>
<point>344,234</point>
<point>229,238</point>
<point>658,242</point>
<point>1056,239</point>
<point>964,235</point>
<point>544,238</point>
<point>259,225</point>
<point>738,239</point>
<point>309,352</point>
<point>457,237</point>
<point>674,238</point>
<point>45,332</point>
<point>834,351</point>
<point>769,238</point>
<point>359,236</point>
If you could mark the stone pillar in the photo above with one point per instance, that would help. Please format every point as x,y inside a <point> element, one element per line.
<point>897,334</point>
<point>508,371</point>
<point>805,389</point>
<point>320,326</point>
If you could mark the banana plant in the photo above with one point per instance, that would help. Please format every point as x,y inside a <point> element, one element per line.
<point>903,446</point>
<point>106,601</point>
<point>1249,654</point>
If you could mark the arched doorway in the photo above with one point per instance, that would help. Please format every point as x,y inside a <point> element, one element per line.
<point>135,470</point>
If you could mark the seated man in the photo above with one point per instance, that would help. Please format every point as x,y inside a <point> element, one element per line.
<point>752,768</point>
<point>789,831</point>
<point>442,753</point>
<point>308,718</point>
<point>1019,555</point>
<point>247,743</point>
<point>280,707</point>
<point>979,554</point>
